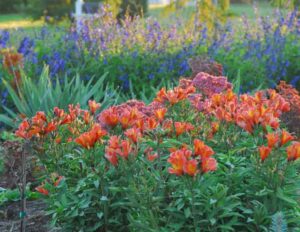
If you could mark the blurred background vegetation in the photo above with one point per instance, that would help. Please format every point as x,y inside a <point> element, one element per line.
<point>60,9</point>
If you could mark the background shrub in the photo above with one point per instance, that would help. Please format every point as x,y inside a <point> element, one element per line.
<point>7,6</point>
<point>57,9</point>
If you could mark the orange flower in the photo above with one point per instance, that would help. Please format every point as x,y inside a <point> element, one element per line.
<point>215,127</point>
<point>39,118</point>
<point>98,130</point>
<point>22,131</point>
<point>208,164</point>
<point>114,142</point>
<point>88,139</point>
<point>151,123</point>
<point>140,123</point>
<point>293,151</point>
<point>175,95</point>
<point>112,149</point>
<point>167,125</point>
<point>152,157</point>
<point>58,140</point>
<point>86,117</point>
<point>59,179</point>
<point>111,156</point>
<point>94,106</point>
<point>182,127</point>
<point>201,149</point>
<point>67,119</point>
<point>273,139</point>
<point>177,159</point>
<point>245,123</point>
<point>125,149</point>
<point>264,152</point>
<point>190,167</point>
<point>134,134</point>
<point>274,123</point>
<point>160,114</point>
<point>285,137</point>
<point>58,112</point>
<point>161,95</point>
<point>110,117</point>
<point>51,126</point>
<point>42,190</point>
<point>125,119</point>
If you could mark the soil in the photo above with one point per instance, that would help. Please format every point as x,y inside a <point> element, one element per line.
<point>36,219</point>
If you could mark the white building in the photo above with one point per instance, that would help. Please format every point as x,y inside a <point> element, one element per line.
<point>159,2</point>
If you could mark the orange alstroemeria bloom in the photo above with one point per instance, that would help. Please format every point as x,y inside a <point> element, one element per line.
<point>140,124</point>
<point>125,119</point>
<point>160,114</point>
<point>58,180</point>
<point>67,119</point>
<point>177,159</point>
<point>273,139</point>
<point>152,157</point>
<point>191,167</point>
<point>125,149</point>
<point>42,190</point>
<point>111,156</point>
<point>151,123</point>
<point>285,137</point>
<point>86,117</point>
<point>110,117</point>
<point>58,112</point>
<point>293,151</point>
<point>215,127</point>
<point>161,95</point>
<point>39,118</point>
<point>264,152</point>
<point>94,106</point>
<point>134,134</point>
<point>51,126</point>
<point>201,149</point>
<point>148,152</point>
<point>182,127</point>
<point>113,149</point>
<point>88,139</point>
<point>208,165</point>
<point>22,131</point>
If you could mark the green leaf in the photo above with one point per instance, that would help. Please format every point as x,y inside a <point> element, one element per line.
<point>96,183</point>
<point>187,212</point>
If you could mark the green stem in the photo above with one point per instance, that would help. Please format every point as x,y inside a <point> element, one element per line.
<point>191,187</point>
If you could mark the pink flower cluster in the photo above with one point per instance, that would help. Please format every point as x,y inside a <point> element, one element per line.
<point>209,85</point>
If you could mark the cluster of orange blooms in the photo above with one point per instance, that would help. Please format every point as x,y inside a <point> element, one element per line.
<point>264,108</point>
<point>184,161</point>
<point>279,139</point>
<point>134,122</point>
